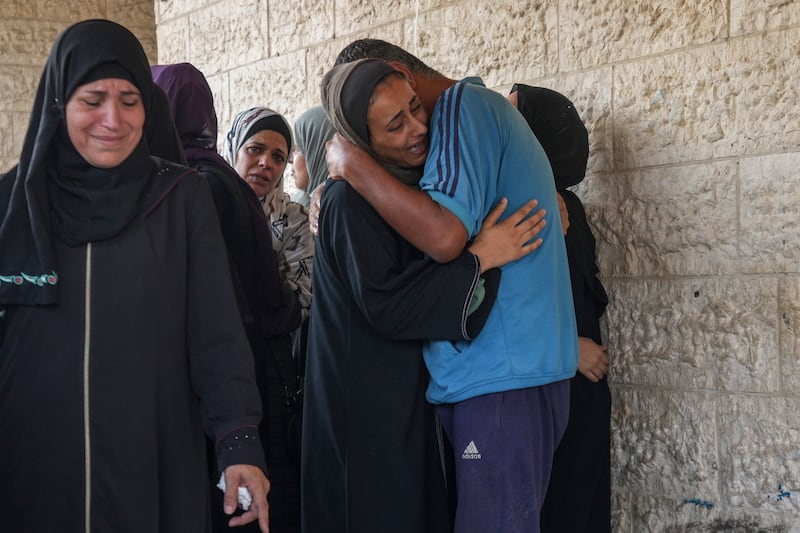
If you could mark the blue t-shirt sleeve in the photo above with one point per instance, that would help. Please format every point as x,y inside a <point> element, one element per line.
<point>464,155</point>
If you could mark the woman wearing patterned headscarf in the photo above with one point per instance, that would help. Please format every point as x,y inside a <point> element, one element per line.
<point>120,342</point>
<point>258,147</point>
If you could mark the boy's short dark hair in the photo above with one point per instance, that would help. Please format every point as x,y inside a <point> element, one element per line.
<point>378,49</point>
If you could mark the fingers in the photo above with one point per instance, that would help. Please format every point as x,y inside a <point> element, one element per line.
<point>494,214</point>
<point>250,516</point>
<point>533,225</point>
<point>231,499</point>
<point>528,248</point>
<point>520,214</point>
<point>590,375</point>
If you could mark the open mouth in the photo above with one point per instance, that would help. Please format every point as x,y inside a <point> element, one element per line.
<point>419,148</point>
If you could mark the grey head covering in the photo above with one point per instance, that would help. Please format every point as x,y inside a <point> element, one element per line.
<point>346,105</point>
<point>312,130</point>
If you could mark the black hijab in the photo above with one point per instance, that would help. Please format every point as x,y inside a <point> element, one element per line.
<point>161,131</point>
<point>560,130</point>
<point>53,191</point>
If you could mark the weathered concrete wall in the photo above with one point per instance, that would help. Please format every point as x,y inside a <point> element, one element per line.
<point>693,190</point>
<point>27,31</point>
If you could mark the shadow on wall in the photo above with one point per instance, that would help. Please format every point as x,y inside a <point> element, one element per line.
<point>730,526</point>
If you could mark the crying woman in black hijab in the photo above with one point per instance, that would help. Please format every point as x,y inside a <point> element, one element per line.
<point>119,332</point>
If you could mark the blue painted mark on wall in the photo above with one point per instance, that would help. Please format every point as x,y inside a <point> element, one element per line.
<point>781,494</point>
<point>699,503</point>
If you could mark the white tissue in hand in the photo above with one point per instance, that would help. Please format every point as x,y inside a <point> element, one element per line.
<point>244,495</point>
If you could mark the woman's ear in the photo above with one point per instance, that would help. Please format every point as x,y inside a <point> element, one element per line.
<point>405,71</point>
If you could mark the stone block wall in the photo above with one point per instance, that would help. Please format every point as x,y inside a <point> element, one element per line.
<point>693,189</point>
<point>27,31</point>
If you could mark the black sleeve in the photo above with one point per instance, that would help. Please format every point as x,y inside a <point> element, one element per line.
<point>402,294</point>
<point>220,359</point>
<point>588,293</point>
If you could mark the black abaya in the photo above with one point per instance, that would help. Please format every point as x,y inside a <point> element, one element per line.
<point>368,433</point>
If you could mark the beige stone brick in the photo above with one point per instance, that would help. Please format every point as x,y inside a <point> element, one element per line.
<point>173,41</point>
<point>6,164</point>
<point>320,58</point>
<point>697,334</point>
<point>590,92</point>
<point>18,87</point>
<point>789,311</point>
<point>69,12</point>
<point>20,122</point>
<point>222,105</point>
<point>476,40</point>
<point>19,9</point>
<point>293,25</point>
<point>711,102</point>
<point>28,43</point>
<point>13,126</point>
<point>768,213</point>
<point>357,16</point>
<point>669,220</point>
<point>7,140</point>
<point>758,451</point>
<point>749,16</point>
<point>133,13</point>
<point>228,35</point>
<point>253,85</point>
<point>664,442</point>
<point>166,10</point>
<point>597,33</point>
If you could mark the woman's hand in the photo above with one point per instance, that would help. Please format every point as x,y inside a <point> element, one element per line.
<point>498,244</point>
<point>252,478</point>
<point>592,359</point>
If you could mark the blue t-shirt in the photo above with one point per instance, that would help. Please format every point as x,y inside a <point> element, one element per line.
<point>481,149</point>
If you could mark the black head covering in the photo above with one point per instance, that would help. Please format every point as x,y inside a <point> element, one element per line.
<point>357,92</point>
<point>161,131</point>
<point>560,130</point>
<point>53,190</point>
